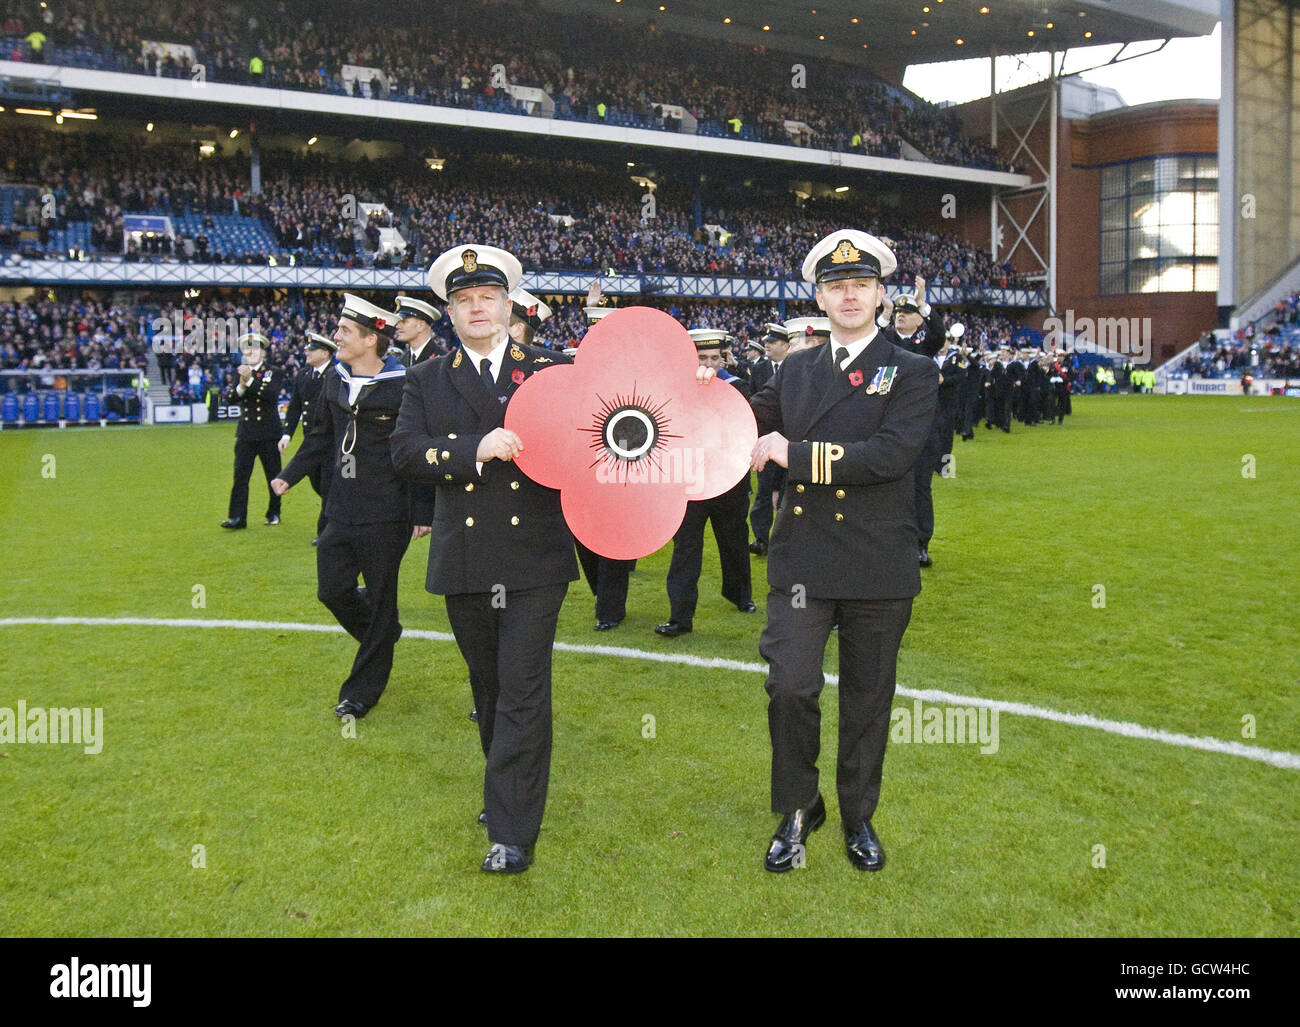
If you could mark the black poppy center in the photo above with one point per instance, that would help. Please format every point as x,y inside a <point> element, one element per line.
<point>630,432</point>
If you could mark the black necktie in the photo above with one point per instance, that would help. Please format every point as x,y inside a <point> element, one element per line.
<point>485,369</point>
<point>841,356</point>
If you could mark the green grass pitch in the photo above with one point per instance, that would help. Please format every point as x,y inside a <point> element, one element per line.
<point>224,738</point>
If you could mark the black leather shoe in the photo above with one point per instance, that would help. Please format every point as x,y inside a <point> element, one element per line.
<point>473,714</point>
<point>350,707</point>
<point>672,629</point>
<point>272,520</point>
<point>747,607</point>
<point>316,541</point>
<point>789,844</point>
<point>864,848</point>
<point>508,859</point>
<point>758,548</point>
<point>925,557</point>
<point>482,817</point>
<point>234,522</point>
<point>607,625</point>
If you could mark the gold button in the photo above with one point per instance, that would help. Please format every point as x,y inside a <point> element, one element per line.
<point>447,476</point>
<point>798,488</point>
<point>514,520</point>
<point>469,522</point>
<point>798,510</point>
<point>514,484</point>
<point>469,487</point>
<point>839,493</point>
<point>446,455</point>
<point>452,435</point>
<point>839,517</point>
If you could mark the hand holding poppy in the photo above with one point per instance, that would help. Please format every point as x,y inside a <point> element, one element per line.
<point>498,444</point>
<point>774,447</point>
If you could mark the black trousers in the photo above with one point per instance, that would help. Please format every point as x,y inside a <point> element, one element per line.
<point>506,642</point>
<point>320,477</point>
<point>607,580</point>
<point>925,467</point>
<point>246,455</point>
<point>727,515</point>
<point>793,643</point>
<point>970,403</point>
<point>770,479</point>
<point>374,552</point>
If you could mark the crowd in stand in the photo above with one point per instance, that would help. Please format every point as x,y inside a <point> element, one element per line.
<point>1267,348</point>
<point>557,214</point>
<point>46,336</point>
<point>464,54</point>
<point>41,335</point>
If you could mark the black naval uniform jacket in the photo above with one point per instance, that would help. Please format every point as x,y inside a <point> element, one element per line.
<point>760,373</point>
<point>259,407</point>
<point>846,526</point>
<point>492,528</point>
<point>428,353</point>
<point>307,385</point>
<point>373,493</point>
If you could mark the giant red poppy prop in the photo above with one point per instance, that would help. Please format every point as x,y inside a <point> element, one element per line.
<point>626,434</point>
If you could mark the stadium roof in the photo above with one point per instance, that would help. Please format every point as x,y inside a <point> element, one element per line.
<point>897,33</point>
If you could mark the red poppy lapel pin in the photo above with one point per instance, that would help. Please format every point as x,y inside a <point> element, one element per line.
<point>517,376</point>
<point>855,378</point>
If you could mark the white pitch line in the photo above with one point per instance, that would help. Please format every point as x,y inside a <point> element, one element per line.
<point>1276,758</point>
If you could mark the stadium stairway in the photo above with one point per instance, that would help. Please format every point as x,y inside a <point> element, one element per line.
<point>159,394</point>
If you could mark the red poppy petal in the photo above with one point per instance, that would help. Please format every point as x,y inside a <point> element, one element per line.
<point>545,414</point>
<point>719,433</point>
<point>623,521</point>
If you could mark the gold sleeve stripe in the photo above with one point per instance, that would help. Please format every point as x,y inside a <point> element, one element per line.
<point>833,453</point>
<point>816,463</point>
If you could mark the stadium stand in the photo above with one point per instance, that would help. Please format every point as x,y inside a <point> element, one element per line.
<point>572,214</point>
<point>592,69</point>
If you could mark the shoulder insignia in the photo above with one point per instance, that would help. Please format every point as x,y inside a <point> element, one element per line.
<point>516,353</point>
<point>456,360</point>
<point>431,455</point>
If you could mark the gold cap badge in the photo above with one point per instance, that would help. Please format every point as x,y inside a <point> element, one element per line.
<point>846,253</point>
<point>469,261</point>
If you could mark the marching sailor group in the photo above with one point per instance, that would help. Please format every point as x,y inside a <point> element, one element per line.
<point>854,416</point>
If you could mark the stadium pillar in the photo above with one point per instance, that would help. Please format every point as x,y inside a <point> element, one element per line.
<point>255,170</point>
<point>1228,202</point>
<point>993,144</point>
<point>1054,84</point>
